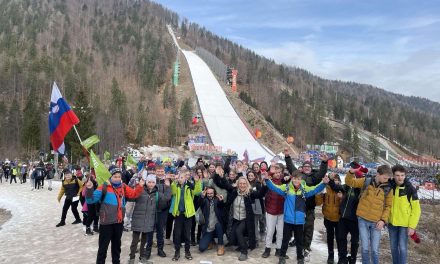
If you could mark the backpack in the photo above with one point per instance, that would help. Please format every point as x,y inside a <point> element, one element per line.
<point>104,191</point>
<point>368,181</point>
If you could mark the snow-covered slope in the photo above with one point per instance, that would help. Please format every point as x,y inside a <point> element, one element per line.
<point>224,125</point>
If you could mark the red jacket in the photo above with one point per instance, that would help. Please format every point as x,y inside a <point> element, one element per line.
<point>274,202</point>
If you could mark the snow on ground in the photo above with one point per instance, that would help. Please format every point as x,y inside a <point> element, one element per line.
<point>30,236</point>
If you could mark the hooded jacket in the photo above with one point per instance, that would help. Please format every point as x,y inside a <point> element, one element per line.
<point>405,210</point>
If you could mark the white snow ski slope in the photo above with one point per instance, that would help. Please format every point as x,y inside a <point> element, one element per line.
<point>224,125</point>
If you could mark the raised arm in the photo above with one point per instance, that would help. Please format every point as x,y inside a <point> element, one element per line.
<point>351,181</point>
<point>279,189</point>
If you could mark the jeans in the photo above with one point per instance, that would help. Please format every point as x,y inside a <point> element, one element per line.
<point>274,222</point>
<point>370,237</point>
<point>208,236</point>
<point>399,243</point>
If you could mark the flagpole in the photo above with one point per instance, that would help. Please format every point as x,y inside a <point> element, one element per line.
<point>80,141</point>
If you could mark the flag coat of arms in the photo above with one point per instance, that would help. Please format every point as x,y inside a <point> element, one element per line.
<point>61,119</point>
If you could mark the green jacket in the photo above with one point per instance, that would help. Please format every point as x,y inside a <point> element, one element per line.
<point>188,198</point>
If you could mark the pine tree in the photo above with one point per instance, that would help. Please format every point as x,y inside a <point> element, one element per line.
<point>355,142</point>
<point>119,102</point>
<point>374,147</point>
<point>30,137</point>
<point>186,112</point>
<point>172,129</point>
<point>86,127</point>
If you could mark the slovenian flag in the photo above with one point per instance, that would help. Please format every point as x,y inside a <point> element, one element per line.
<point>61,119</point>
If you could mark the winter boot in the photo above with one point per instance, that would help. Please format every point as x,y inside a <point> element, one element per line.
<point>220,250</point>
<point>266,253</point>
<point>161,253</point>
<point>242,257</point>
<point>282,260</point>
<point>176,255</point>
<point>188,255</point>
<point>148,252</point>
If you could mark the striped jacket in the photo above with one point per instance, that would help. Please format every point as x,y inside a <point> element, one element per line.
<point>113,206</point>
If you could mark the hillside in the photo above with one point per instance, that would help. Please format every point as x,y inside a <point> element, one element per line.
<point>113,61</point>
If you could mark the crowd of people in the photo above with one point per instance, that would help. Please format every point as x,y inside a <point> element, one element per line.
<point>36,172</point>
<point>223,205</point>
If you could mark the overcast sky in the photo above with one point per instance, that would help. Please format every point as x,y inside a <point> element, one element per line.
<point>394,45</point>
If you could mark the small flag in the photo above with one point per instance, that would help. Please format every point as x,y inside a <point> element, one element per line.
<point>61,119</point>
<point>107,155</point>
<point>102,174</point>
<point>131,161</point>
<point>88,143</point>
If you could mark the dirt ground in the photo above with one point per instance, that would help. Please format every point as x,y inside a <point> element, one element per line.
<point>429,232</point>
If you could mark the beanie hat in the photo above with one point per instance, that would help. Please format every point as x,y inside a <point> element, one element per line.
<point>113,170</point>
<point>151,177</point>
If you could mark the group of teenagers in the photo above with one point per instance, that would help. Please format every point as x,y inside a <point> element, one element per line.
<point>220,200</point>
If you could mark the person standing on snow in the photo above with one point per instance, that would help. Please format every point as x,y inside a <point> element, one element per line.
<point>112,195</point>
<point>71,188</point>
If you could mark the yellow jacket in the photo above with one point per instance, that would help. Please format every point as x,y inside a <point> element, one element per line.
<point>373,205</point>
<point>405,210</point>
<point>330,207</point>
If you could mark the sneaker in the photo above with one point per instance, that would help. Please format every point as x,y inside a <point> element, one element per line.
<point>61,224</point>
<point>89,231</point>
<point>292,243</point>
<point>242,257</point>
<point>306,255</point>
<point>77,221</point>
<point>266,253</point>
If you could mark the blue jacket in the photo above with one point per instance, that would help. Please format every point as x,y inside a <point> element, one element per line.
<point>295,203</point>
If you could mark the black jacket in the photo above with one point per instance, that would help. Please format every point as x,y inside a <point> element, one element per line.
<point>205,207</point>
<point>312,179</point>
<point>350,201</point>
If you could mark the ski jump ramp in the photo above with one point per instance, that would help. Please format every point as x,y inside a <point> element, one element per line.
<point>224,126</point>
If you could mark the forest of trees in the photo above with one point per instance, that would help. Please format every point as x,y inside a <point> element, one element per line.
<point>113,62</point>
